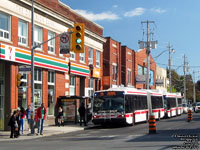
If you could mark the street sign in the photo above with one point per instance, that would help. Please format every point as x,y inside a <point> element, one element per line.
<point>24,68</point>
<point>65,40</point>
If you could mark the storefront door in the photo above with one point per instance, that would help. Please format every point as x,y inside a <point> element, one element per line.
<point>2,93</point>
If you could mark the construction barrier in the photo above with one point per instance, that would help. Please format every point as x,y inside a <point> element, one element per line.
<point>152,125</point>
<point>189,115</point>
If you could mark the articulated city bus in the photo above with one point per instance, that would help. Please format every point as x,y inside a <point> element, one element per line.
<point>120,105</point>
<point>126,105</point>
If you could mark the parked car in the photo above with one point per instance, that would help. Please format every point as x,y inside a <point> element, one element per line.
<point>196,107</point>
<point>185,108</point>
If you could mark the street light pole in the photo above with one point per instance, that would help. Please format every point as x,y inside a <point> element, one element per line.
<point>32,70</point>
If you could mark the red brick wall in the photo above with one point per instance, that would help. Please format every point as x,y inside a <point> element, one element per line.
<point>60,84</point>
<point>45,87</point>
<point>112,55</point>
<point>127,58</point>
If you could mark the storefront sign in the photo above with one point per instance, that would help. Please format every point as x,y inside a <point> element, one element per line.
<point>23,56</point>
<point>96,72</point>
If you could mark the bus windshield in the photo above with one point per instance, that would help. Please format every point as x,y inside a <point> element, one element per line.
<point>106,101</point>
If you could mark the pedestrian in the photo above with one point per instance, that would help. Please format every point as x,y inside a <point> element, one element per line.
<point>22,119</point>
<point>41,115</point>
<point>28,117</point>
<point>18,121</point>
<point>81,111</point>
<point>13,125</point>
<point>60,116</point>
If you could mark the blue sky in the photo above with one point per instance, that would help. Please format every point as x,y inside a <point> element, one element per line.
<point>176,21</point>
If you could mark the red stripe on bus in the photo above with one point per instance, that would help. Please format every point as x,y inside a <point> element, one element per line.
<point>136,92</point>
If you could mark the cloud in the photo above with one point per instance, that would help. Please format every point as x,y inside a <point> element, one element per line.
<point>135,12</point>
<point>158,10</point>
<point>115,6</point>
<point>97,17</point>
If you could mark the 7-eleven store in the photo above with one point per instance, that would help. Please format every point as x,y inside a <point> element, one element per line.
<point>49,81</point>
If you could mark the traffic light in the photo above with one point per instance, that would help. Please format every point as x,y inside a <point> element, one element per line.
<point>19,80</point>
<point>78,38</point>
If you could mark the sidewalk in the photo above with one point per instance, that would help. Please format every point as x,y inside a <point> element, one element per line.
<point>48,131</point>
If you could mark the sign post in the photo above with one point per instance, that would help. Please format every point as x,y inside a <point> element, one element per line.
<point>65,43</point>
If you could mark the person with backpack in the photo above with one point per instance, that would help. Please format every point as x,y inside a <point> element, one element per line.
<point>13,125</point>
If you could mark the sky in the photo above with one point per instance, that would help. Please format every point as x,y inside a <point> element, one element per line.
<point>176,22</point>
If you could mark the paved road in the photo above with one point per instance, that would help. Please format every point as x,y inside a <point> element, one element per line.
<point>170,132</point>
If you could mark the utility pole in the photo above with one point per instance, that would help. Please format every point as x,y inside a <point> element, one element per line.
<point>148,43</point>
<point>170,63</point>
<point>184,71</point>
<point>194,90</point>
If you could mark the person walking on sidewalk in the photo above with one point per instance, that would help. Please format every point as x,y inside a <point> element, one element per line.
<point>41,114</point>
<point>18,121</point>
<point>28,116</point>
<point>81,111</point>
<point>60,116</point>
<point>13,125</point>
<point>22,119</point>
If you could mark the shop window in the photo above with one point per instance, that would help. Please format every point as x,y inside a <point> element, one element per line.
<point>90,56</point>
<point>91,87</point>
<point>5,26</point>
<point>38,37</point>
<point>98,58</point>
<point>51,43</point>
<point>72,85</point>
<point>23,32</point>
<point>51,92</point>
<point>38,87</point>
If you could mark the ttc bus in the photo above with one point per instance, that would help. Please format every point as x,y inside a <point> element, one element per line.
<point>126,105</point>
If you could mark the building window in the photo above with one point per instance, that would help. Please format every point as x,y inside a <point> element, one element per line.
<point>129,76</point>
<point>51,77</point>
<point>82,57</point>
<point>38,36</point>
<point>91,87</point>
<point>72,56</point>
<point>51,43</point>
<point>5,30</point>
<point>38,87</point>
<point>90,56</point>
<point>72,85</point>
<point>51,92</point>
<point>140,70</point>
<point>114,72</point>
<point>38,75</point>
<point>23,32</point>
<point>98,59</point>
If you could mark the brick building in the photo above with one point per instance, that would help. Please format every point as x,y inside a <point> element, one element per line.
<point>51,78</point>
<point>111,64</point>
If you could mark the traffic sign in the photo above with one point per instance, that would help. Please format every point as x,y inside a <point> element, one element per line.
<point>24,68</point>
<point>65,40</point>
